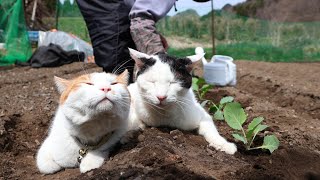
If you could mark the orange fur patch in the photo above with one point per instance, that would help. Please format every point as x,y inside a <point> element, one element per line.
<point>73,85</point>
<point>123,78</point>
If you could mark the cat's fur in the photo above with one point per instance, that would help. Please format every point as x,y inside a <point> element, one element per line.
<point>93,110</point>
<point>162,96</point>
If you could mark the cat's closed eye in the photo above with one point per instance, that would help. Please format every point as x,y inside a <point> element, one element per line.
<point>173,82</point>
<point>114,83</point>
<point>89,83</point>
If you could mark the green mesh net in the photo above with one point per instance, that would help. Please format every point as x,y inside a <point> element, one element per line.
<point>14,42</point>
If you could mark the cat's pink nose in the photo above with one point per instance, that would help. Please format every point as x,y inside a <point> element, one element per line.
<point>162,98</point>
<point>106,89</point>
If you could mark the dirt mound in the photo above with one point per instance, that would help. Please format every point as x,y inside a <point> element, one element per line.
<point>287,95</point>
<point>280,10</point>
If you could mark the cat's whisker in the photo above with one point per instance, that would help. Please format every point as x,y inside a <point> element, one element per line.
<point>154,107</point>
<point>185,99</point>
<point>183,102</point>
<point>184,112</point>
<point>119,66</point>
<point>126,97</point>
<point>123,68</point>
<point>123,104</point>
<point>150,103</point>
<point>186,102</point>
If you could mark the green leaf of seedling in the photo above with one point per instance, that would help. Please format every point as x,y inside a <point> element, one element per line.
<point>204,89</point>
<point>226,99</point>
<point>249,134</point>
<point>195,85</point>
<point>234,115</point>
<point>195,80</point>
<point>240,138</point>
<point>270,142</point>
<point>252,126</point>
<point>201,81</point>
<point>213,109</point>
<point>218,115</point>
<point>255,122</point>
<point>259,128</point>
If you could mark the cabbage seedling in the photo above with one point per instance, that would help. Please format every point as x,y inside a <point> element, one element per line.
<point>235,117</point>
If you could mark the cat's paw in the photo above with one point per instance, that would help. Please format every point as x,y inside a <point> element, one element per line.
<point>142,126</point>
<point>48,167</point>
<point>129,136</point>
<point>91,161</point>
<point>45,162</point>
<point>229,148</point>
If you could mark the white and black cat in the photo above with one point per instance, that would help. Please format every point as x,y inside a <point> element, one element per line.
<point>92,116</point>
<point>162,96</point>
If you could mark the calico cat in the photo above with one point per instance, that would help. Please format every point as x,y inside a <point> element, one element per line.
<point>92,116</point>
<point>162,96</point>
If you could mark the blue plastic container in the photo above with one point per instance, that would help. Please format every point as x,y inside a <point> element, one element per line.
<point>33,36</point>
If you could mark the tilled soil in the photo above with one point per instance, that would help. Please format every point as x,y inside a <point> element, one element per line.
<point>287,95</point>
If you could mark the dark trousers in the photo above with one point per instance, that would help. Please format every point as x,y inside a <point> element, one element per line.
<point>109,28</point>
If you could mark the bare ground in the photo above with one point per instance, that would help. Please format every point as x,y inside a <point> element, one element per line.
<point>286,94</point>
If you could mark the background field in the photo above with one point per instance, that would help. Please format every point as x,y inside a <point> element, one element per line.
<point>248,38</point>
<point>236,36</point>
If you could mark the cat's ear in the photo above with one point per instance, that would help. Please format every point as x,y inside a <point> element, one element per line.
<point>138,57</point>
<point>196,57</point>
<point>61,84</point>
<point>123,78</point>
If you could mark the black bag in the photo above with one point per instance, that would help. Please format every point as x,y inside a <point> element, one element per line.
<point>53,56</point>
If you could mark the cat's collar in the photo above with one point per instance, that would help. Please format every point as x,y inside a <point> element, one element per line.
<point>86,147</point>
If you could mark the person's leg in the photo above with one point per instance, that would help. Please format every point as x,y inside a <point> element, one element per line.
<point>144,14</point>
<point>109,29</point>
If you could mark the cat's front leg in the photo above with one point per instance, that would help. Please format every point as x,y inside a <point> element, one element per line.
<point>134,122</point>
<point>212,136</point>
<point>45,160</point>
<point>135,125</point>
<point>93,160</point>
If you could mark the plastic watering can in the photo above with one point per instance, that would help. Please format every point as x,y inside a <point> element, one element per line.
<point>220,70</point>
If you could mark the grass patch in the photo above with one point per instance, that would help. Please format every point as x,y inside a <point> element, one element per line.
<point>74,25</point>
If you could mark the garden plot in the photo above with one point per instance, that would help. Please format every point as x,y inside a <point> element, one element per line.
<point>287,95</point>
